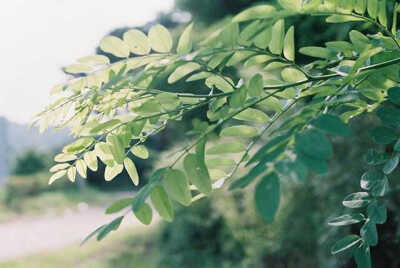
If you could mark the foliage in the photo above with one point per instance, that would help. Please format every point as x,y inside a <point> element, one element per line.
<point>29,163</point>
<point>250,85</point>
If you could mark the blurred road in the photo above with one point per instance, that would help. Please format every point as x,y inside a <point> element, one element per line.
<point>26,236</point>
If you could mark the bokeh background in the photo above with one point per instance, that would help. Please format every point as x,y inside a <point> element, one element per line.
<point>41,226</point>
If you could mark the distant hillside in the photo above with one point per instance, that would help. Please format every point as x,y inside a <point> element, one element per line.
<point>17,138</point>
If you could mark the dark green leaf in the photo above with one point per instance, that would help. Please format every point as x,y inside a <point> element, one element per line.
<point>362,256</point>
<point>369,233</point>
<point>112,226</point>
<point>98,229</point>
<point>357,200</point>
<point>376,212</point>
<point>391,164</point>
<point>331,124</point>
<point>295,170</point>
<point>316,165</point>
<point>389,115</point>
<point>380,187</point>
<point>346,243</point>
<point>346,219</point>
<point>369,179</point>
<point>267,197</point>
<point>383,135</point>
<point>374,157</point>
<point>161,202</point>
<point>314,144</point>
<point>394,95</point>
<point>249,177</point>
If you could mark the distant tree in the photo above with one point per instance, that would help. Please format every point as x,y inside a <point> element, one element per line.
<point>29,162</point>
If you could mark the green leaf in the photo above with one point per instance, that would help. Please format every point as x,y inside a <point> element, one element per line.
<point>131,169</point>
<point>144,192</point>
<point>91,160</point>
<point>383,135</point>
<point>182,71</point>
<point>318,52</point>
<point>295,170</point>
<point>374,157</point>
<point>292,75</point>
<point>394,95</point>
<point>345,244</point>
<point>185,41</point>
<point>112,171</point>
<point>347,219</point>
<point>115,46</point>
<point>94,60</point>
<point>220,162</point>
<point>230,35</point>
<point>105,126</point>
<point>362,256</point>
<point>389,115</point>
<point>372,8</point>
<point>376,212</point>
<point>382,15</point>
<point>369,233</point>
<point>288,47</point>
<point>257,12</point>
<point>256,85</point>
<point>116,148</point>
<point>357,200</point>
<point>391,164</point>
<point>359,40</point>
<point>342,18</point>
<point>331,124</point>
<point>112,226</point>
<point>160,39</point>
<point>119,205</point>
<point>219,82</point>
<point>137,41</point>
<point>360,6</point>
<point>314,144</point>
<point>267,197</point>
<point>197,173</point>
<point>87,238</point>
<point>161,202</point>
<point>252,115</point>
<point>239,131</point>
<point>227,148</point>
<point>177,187</point>
<point>238,97</point>
<point>269,146</point>
<point>140,151</point>
<point>144,214</point>
<point>249,177</point>
<point>278,35</point>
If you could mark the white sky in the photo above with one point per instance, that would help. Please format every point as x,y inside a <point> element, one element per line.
<point>39,37</point>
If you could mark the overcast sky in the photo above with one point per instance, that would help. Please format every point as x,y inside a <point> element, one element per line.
<point>39,37</point>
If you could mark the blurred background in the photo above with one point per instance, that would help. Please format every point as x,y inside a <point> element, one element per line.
<point>41,226</point>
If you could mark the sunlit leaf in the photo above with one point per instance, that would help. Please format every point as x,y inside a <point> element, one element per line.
<point>115,46</point>
<point>137,41</point>
<point>160,39</point>
<point>131,169</point>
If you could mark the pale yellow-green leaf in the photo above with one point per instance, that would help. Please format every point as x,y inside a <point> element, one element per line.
<point>185,41</point>
<point>252,115</point>
<point>71,172</point>
<point>382,14</point>
<point>220,162</point>
<point>241,131</point>
<point>144,214</point>
<point>140,151</point>
<point>81,168</point>
<point>216,174</point>
<point>227,148</point>
<point>57,176</point>
<point>116,148</point>
<point>131,169</point>
<point>112,171</point>
<point>177,187</point>
<point>160,39</point>
<point>372,8</point>
<point>64,157</point>
<point>182,71</point>
<point>257,12</point>
<point>59,167</point>
<point>137,41</point>
<point>78,68</point>
<point>91,160</point>
<point>219,82</point>
<point>94,60</point>
<point>161,202</point>
<point>103,151</point>
<point>294,5</point>
<point>288,47</point>
<point>278,35</point>
<point>115,46</point>
<point>292,75</point>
